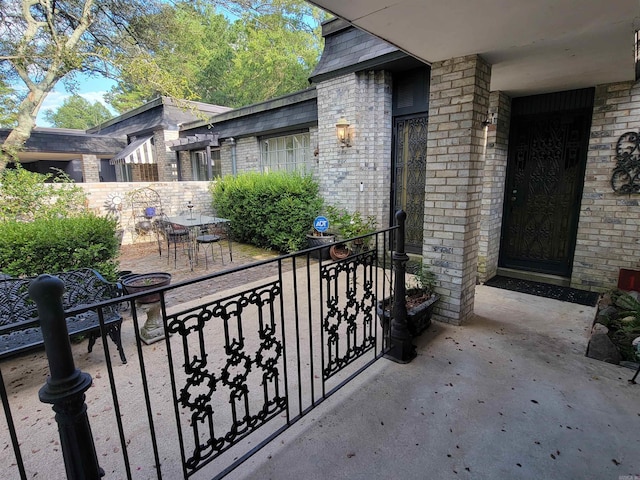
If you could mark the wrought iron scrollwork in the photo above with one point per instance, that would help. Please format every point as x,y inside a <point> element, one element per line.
<point>227,400</point>
<point>348,320</point>
<point>625,178</point>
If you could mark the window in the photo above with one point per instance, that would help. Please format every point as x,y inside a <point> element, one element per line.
<point>200,167</point>
<point>289,152</point>
<point>138,172</point>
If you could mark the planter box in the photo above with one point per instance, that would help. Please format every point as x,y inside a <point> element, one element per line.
<point>418,318</point>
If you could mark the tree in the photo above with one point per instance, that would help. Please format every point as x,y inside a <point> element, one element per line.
<point>77,112</point>
<point>268,50</point>
<point>44,41</point>
<point>145,44</point>
<point>185,40</point>
<point>8,105</point>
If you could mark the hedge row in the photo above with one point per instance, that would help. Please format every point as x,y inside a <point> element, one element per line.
<point>57,245</point>
<point>273,210</point>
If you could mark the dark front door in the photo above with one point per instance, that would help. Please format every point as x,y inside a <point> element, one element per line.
<point>410,160</point>
<point>545,174</point>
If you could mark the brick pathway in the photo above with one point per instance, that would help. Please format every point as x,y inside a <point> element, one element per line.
<point>144,258</point>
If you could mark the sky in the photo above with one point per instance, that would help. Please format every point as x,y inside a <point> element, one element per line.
<point>91,88</point>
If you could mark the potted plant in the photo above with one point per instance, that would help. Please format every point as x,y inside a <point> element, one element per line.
<point>349,225</point>
<point>420,300</point>
<point>316,238</point>
<point>135,283</point>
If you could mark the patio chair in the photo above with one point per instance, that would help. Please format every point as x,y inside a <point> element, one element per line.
<point>175,235</point>
<point>209,235</point>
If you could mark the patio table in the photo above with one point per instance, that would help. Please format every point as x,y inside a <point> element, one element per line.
<point>195,221</point>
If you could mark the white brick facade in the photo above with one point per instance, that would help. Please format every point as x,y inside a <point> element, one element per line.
<point>493,184</point>
<point>459,102</point>
<point>609,228</point>
<point>364,99</point>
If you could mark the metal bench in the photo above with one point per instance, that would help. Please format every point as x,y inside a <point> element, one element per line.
<point>19,324</point>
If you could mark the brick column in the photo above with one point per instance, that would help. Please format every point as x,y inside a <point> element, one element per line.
<point>459,102</point>
<point>90,169</point>
<point>495,171</point>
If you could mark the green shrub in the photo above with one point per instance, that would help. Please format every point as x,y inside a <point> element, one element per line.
<point>27,196</point>
<point>273,210</point>
<point>59,244</point>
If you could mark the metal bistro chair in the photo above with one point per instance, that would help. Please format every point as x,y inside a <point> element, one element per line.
<point>209,235</point>
<point>176,235</point>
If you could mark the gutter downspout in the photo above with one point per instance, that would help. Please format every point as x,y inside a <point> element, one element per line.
<point>234,165</point>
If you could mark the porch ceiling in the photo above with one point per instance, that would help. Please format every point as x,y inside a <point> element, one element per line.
<point>534,46</point>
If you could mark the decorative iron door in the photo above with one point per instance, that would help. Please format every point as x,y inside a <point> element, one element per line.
<point>545,174</point>
<point>410,160</point>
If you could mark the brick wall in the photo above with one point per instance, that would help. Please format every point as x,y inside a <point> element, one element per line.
<point>174,197</point>
<point>364,99</point>
<point>459,102</point>
<point>90,168</point>
<point>247,155</point>
<point>166,158</point>
<point>495,169</point>
<point>609,229</point>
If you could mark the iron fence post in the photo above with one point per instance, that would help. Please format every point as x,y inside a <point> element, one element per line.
<point>402,349</point>
<point>66,386</point>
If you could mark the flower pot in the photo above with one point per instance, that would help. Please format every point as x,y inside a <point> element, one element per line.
<point>319,240</point>
<point>146,281</point>
<point>339,251</point>
<point>418,317</point>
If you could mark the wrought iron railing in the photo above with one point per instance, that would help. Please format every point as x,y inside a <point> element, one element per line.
<point>237,367</point>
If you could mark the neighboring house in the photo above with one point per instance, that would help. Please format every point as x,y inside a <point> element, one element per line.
<point>148,129</point>
<point>74,152</point>
<point>128,148</point>
<point>504,169</point>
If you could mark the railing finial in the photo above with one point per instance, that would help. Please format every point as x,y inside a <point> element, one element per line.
<point>401,349</point>
<point>66,386</point>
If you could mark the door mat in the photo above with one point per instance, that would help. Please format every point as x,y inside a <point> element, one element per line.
<point>564,294</point>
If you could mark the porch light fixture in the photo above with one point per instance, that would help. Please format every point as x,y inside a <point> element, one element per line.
<point>343,133</point>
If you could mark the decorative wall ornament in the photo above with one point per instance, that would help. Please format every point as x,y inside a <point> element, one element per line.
<point>625,178</point>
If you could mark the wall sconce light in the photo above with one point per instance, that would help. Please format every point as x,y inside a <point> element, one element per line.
<point>490,120</point>
<point>343,133</point>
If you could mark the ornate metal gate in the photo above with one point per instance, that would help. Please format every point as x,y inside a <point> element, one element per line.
<point>547,157</point>
<point>410,159</point>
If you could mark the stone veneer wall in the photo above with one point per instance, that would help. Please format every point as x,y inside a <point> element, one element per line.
<point>459,102</point>
<point>493,184</point>
<point>364,98</point>
<point>174,197</point>
<point>609,229</point>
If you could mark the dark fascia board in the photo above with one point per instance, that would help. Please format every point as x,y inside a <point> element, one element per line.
<point>126,115</point>
<point>283,101</point>
<point>378,63</point>
<point>60,140</point>
<point>205,108</point>
<point>334,25</point>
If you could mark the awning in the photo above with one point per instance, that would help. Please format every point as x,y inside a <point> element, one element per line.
<point>138,151</point>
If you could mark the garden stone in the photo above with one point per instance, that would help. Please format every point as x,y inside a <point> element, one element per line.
<point>599,328</point>
<point>602,348</point>
<point>608,312</point>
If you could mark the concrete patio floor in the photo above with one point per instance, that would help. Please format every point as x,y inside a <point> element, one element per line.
<point>510,395</point>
